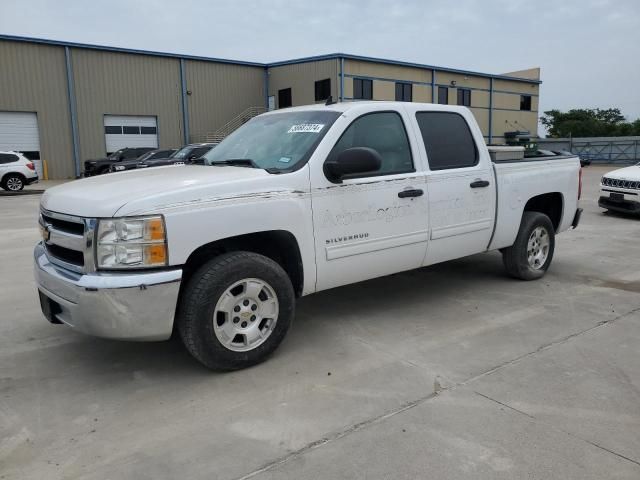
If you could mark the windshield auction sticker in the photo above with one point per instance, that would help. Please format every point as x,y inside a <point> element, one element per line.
<point>306,128</point>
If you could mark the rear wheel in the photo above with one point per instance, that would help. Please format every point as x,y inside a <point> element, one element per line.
<point>235,310</point>
<point>531,254</point>
<point>13,182</point>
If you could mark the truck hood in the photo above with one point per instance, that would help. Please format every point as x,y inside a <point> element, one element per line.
<point>629,173</point>
<point>138,192</point>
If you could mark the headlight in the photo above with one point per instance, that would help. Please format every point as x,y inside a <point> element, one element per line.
<point>138,242</point>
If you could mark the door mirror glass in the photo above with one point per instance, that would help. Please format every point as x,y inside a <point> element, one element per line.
<point>353,161</point>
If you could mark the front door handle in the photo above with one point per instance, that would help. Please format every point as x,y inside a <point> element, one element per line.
<point>410,193</point>
<point>479,184</point>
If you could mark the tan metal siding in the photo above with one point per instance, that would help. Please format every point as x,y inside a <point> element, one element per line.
<point>125,84</point>
<point>301,79</point>
<point>33,79</point>
<point>462,81</point>
<point>422,93</point>
<point>482,117</point>
<point>511,101</point>
<point>519,87</point>
<point>220,92</point>
<point>390,72</point>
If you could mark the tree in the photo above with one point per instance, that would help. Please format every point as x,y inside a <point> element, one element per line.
<point>589,122</point>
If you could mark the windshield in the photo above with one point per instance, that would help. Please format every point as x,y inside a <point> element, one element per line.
<point>116,155</point>
<point>144,156</point>
<point>281,141</point>
<point>183,152</point>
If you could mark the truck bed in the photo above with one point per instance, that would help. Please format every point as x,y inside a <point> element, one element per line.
<point>520,179</point>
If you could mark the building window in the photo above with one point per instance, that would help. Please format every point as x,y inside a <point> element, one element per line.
<point>464,97</point>
<point>323,89</point>
<point>131,130</point>
<point>525,102</point>
<point>148,130</point>
<point>443,95</point>
<point>112,130</point>
<point>403,92</point>
<point>284,98</point>
<point>362,89</point>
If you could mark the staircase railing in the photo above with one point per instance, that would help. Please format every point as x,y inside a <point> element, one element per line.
<point>227,128</point>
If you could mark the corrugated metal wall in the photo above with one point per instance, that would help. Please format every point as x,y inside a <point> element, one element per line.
<point>33,79</point>
<point>219,92</point>
<point>110,83</point>
<point>301,78</point>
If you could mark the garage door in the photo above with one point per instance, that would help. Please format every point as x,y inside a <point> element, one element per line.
<point>19,132</point>
<point>122,131</point>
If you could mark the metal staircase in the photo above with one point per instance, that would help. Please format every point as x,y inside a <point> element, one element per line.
<point>229,127</point>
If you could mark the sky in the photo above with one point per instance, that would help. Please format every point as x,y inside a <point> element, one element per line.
<point>588,50</point>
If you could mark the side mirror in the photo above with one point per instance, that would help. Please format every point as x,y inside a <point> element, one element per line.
<point>352,161</point>
<point>196,160</point>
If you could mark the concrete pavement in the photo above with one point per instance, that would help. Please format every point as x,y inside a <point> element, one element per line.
<point>453,371</point>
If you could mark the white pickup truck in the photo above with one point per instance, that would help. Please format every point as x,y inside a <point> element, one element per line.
<point>294,202</point>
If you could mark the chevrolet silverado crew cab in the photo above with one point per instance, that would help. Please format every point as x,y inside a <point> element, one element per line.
<point>620,190</point>
<point>293,202</point>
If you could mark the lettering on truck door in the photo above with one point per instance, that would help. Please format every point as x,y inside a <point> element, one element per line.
<point>363,228</point>
<point>462,193</point>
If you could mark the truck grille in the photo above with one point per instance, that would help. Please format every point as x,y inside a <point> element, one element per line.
<point>614,182</point>
<point>68,240</point>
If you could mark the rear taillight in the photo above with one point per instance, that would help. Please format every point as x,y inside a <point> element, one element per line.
<point>579,183</point>
<point>30,166</point>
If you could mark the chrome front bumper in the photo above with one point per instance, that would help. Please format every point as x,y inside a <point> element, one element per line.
<point>126,306</point>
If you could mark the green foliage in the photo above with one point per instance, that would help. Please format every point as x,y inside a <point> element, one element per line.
<point>589,122</point>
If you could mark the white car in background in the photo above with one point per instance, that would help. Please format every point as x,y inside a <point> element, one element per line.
<point>620,190</point>
<point>16,171</point>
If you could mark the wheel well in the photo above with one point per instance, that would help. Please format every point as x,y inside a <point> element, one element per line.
<point>548,203</point>
<point>278,245</point>
<point>17,174</point>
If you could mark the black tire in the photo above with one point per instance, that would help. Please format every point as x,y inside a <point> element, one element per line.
<point>195,318</point>
<point>515,257</point>
<point>103,171</point>
<point>13,182</point>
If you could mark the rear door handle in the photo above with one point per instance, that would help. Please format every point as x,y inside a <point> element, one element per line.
<point>410,193</point>
<point>479,184</point>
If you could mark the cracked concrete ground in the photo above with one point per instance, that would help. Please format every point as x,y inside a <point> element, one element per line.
<point>453,371</point>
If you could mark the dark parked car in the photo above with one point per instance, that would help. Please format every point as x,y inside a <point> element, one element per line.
<point>98,166</point>
<point>150,155</point>
<point>185,154</point>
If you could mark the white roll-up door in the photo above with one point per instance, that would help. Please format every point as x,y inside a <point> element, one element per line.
<point>122,131</point>
<point>19,132</point>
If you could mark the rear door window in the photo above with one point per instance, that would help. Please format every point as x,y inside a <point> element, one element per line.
<point>447,140</point>
<point>8,158</point>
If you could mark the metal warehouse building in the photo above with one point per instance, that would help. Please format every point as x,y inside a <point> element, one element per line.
<point>66,102</point>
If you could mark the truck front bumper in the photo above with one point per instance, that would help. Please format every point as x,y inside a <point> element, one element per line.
<point>126,306</point>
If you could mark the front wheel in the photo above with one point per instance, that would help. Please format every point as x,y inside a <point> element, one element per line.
<point>530,255</point>
<point>235,310</point>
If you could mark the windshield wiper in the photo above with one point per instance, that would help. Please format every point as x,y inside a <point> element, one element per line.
<point>240,162</point>
<point>243,162</point>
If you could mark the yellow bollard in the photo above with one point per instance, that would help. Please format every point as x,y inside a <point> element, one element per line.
<point>45,170</point>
